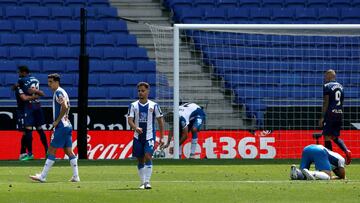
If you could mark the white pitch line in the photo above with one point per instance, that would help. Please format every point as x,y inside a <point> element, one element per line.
<point>237,181</point>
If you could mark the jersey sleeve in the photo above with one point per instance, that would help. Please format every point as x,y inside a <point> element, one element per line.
<point>131,111</point>
<point>19,91</point>
<point>59,97</point>
<point>158,112</point>
<point>326,90</point>
<point>183,123</point>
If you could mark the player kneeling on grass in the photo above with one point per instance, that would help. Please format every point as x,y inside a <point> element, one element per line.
<point>62,131</point>
<point>324,160</point>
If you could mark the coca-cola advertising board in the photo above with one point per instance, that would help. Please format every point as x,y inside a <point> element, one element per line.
<point>212,144</point>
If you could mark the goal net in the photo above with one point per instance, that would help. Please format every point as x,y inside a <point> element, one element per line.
<point>261,86</point>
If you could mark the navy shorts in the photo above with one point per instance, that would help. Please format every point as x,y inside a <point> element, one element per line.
<point>140,147</point>
<point>316,155</point>
<point>61,138</point>
<point>33,115</point>
<point>332,128</point>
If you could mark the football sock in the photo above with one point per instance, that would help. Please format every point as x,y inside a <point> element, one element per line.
<point>300,175</point>
<point>28,135</point>
<point>193,146</point>
<point>328,144</point>
<point>23,144</point>
<point>341,144</point>
<point>48,164</point>
<point>148,170</point>
<point>74,166</point>
<point>43,139</point>
<point>141,172</point>
<point>319,175</point>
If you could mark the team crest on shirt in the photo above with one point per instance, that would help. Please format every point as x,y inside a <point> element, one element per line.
<point>151,110</point>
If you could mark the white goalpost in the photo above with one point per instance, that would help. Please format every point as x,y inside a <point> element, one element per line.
<point>258,78</point>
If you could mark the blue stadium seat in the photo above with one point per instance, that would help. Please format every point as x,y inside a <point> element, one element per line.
<point>123,66</point>
<point>10,40</point>
<point>16,13</point>
<point>68,53</point>
<point>283,15</point>
<point>295,3</point>
<point>52,3</point>
<point>272,3</point>
<point>290,79</point>
<point>151,79</point>
<point>10,79</point>
<point>340,3</point>
<point>329,15</point>
<point>249,4</point>
<point>176,4</point>
<point>317,3</point>
<point>24,26</point>
<point>20,53</point>
<point>118,26</point>
<point>34,40</point>
<point>352,92</point>
<point>350,15</point>
<point>354,79</point>
<point>98,93</point>
<point>91,13</point>
<point>97,53</point>
<point>238,15</point>
<point>47,26</point>
<point>42,13</point>
<point>93,79</point>
<point>98,3</point>
<point>33,65</point>
<point>121,93</point>
<point>7,66</point>
<point>76,3</point>
<point>249,92</point>
<point>72,92</point>
<point>227,3</point>
<point>71,26</point>
<point>41,53</point>
<point>114,53</point>
<point>146,66</point>
<point>207,4</point>
<point>5,92</point>
<point>57,40</point>
<point>97,66</point>
<point>355,4</point>
<point>107,13</point>
<point>61,13</point>
<point>134,53</point>
<point>125,40</point>
<point>311,79</point>
<point>72,66</point>
<point>133,79</point>
<point>101,40</point>
<point>6,26</point>
<point>96,26</point>
<point>186,16</point>
<point>4,53</point>
<point>260,15</point>
<point>75,40</point>
<point>54,66</point>
<point>68,80</point>
<point>8,3</point>
<point>30,3</point>
<point>215,15</point>
<point>306,15</point>
<point>111,79</point>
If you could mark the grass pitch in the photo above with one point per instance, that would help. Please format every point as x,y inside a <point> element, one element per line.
<point>174,181</point>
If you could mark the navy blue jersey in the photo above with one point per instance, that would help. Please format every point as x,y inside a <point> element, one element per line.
<point>335,91</point>
<point>19,101</point>
<point>28,82</point>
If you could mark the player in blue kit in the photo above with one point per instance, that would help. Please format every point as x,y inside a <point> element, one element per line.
<point>61,137</point>
<point>192,117</point>
<point>141,118</point>
<point>29,111</point>
<point>325,161</point>
<point>332,113</point>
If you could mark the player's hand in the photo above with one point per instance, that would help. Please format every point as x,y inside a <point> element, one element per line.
<point>55,124</point>
<point>139,130</point>
<point>321,122</point>
<point>161,143</point>
<point>171,150</point>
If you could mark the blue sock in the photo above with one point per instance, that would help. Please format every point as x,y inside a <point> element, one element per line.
<point>328,145</point>
<point>51,157</point>
<point>28,138</point>
<point>148,163</point>
<point>341,144</point>
<point>194,135</point>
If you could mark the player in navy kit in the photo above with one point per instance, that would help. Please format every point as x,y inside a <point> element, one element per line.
<point>141,118</point>
<point>30,114</point>
<point>332,113</point>
<point>325,161</point>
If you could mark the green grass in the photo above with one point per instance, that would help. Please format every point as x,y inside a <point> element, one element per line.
<point>174,181</point>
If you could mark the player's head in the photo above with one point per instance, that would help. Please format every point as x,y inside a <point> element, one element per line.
<point>23,71</point>
<point>143,90</point>
<point>53,81</point>
<point>330,75</point>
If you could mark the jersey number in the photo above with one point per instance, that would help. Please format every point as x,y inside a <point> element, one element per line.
<point>337,97</point>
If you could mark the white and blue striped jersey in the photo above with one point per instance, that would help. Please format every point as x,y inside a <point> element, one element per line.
<point>335,159</point>
<point>188,112</point>
<point>144,117</point>
<point>59,97</point>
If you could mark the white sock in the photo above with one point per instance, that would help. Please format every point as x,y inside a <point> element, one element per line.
<point>74,166</point>
<point>319,175</point>
<point>193,146</point>
<point>141,172</point>
<point>47,167</point>
<point>148,171</point>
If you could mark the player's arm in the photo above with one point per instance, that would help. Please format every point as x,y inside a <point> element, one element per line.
<point>25,97</point>
<point>324,109</point>
<point>133,126</point>
<point>36,91</point>
<point>339,172</point>
<point>64,108</point>
<point>184,134</point>
<point>160,121</point>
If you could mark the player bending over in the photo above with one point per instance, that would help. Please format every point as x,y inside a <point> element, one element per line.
<point>324,160</point>
<point>62,131</point>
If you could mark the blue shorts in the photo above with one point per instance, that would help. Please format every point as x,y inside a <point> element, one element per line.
<point>140,147</point>
<point>319,156</point>
<point>61,138</point>
<point>33,115</point>
<point>332,128</point>
<point>196,123</point>
<point>20,120</point>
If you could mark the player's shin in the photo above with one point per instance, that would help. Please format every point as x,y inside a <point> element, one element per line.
<point>48,164</point>
<point>320,175</point>
<point>74,166</point>
<point>341,144</point>
<point>148,170</point>
<point>141,172</point>
<point>328,144</point>
<point>28,138</point>
<point>193,146</point>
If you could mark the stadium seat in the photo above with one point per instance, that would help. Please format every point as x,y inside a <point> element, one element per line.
<point>20,53</point>
<point>306,15</point>
<point>272,3</point>
<point>350,15</point>
<point>5,92</point>
<point>98,3</point>
<point>57,40</point>
<point>98,93</point>
<point>96,26</point>
<point>90,13</point>
<point>186,16</point>
<point>249,3</point>
<point>118,26</point>
<point>111,79</point>
<point>54,66</point>
<point>295,3</point>
<point>10,79</point>
<point>121,93</point>
<point>61,13</point>
<point>123,66</point>
<point>41,13</point>
<point>4,53</point>
<point>101,40</point>
<point>97,66</point>
<point>283,15</point>
<point>133,79</point>
<point>236,15</point>
<point>355,4</point>
<point>75,3</point>
<point>71,26</point>
<point>51,3</point>
<point>134,53</point>
<point>329,15</point>
<point>340,3</point>
<point>105,13</point>
<point>151,79</point>
<point>10,40</point>
<point>33,65</point>
<point>27,3</point>
<point>97,53</point>
<point>34,40</point>
<point>215,15</point>
<point>75,40</point>
<point>125,40</point>
<point>352,92</point>
<point>7,66</point>
<point>227,3</point>
<point>6,26</point>
<point>72,66</point>
<point>206,4</point>
<point>93,79</point>
<point>68,53</point>
<point>183,4</point>
<point>68,80</point>
<point>8,3</point>
<point>41,53</point>
<point>72,92</point>
<point>47,26</point>
<point>146,66</point>
<point>24,26</point>
<point>114,53</point>
<point>16,13</point>
<point>317,3</point>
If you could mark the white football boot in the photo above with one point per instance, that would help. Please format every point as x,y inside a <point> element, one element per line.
<point>37,177</point>
<point>307,174</point>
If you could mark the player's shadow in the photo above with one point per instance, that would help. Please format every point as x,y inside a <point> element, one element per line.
<point>123,189</point>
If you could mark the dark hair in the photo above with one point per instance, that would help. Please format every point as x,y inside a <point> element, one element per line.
<point>23,69</point>
<point>54,76</point>
<point>145,84</point>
